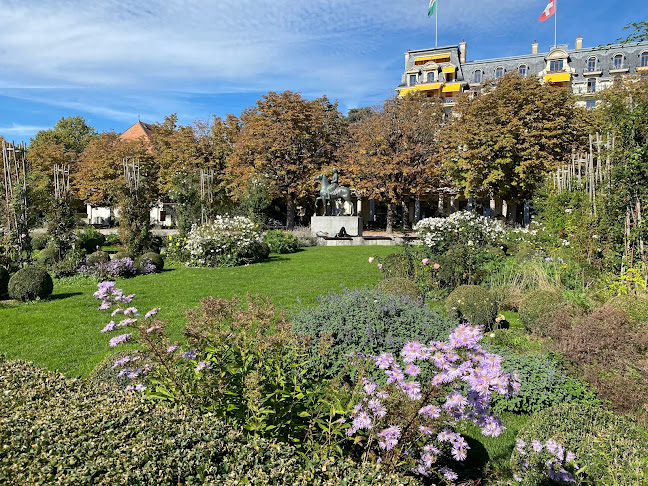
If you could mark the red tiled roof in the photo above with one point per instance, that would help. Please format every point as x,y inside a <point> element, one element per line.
<point>137,132</point>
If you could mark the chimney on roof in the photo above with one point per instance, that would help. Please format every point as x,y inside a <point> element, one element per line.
<point>579,42</point>
<point>534,47</point>
<point>462,50</point>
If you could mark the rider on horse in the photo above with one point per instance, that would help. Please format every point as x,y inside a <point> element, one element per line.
<point>333,184</point>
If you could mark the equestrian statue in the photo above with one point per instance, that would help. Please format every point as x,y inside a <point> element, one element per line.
<point>332,191</point>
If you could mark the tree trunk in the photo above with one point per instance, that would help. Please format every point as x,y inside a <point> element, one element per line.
<point>290,212</point>
<point>406,216</point>
<point>390,217</point>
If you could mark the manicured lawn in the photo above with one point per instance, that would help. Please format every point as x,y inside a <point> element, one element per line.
<point>63,333</point>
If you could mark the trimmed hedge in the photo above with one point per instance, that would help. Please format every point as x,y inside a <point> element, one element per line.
<point>30,283</point>
<point>400,287</point>
<point>97,257</point>
<point>474,304</point>
<point>612,449</point>
<point>155,258</point>
<point>67,432</point>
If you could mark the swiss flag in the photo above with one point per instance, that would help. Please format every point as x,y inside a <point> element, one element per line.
<point>549,10</point>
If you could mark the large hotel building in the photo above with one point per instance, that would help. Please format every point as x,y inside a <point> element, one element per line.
<point>445,71</point>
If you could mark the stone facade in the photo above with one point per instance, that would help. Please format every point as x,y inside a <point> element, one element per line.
<point>445,72</point>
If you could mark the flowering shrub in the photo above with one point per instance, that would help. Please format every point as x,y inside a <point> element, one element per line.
<point>549,458</point>
<point>462,227</point>
<point>117,268</point>
<point>175,249</point>
<point>409,421</point>
<point>228,241</point>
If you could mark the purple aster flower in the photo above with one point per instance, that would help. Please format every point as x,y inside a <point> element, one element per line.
<point>570,456</point>
<point>537,445</point>
<point>384,361</point>
<point>122,338</point>
<point>412,369</point>
<point>459,453</point>
<point>171,349</point>
<point>140,387</point>
<point>129,388</point>
<point>116,311</point>
<point>449,474</point>
<point>104,305</point>
<point>369,387</point>
<point>388,438</point>
<point>520,445</point>
<point>382,394</point>
<point>152,312</point>
<point>412,389</point>
<point>430,411</point>
<point>131,310</point>
<point>203,365</point>
<point>109,327</point>
<point>191,354</point>
<point>362,421</point>
<point>425,430</point>
<point>412,351</point>
<point>121,362</point>
<point>152,328</point>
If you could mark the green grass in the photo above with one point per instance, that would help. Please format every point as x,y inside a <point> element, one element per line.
<point>63,333</point>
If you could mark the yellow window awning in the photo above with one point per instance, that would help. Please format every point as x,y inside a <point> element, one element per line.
<point>420,87</point>
<point>451,87</point>
<point>449,69</point>
<point>557,77</point>
<point>434,57</point>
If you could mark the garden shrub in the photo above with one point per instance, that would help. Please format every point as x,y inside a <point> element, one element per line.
<point>281,241</point>
<point>365,321</point>
<point>611,449</point>
<point>39,242</point>
<point>30,283</point>
<point>48,256</point>
<point>4,281</point>
<point>121,254</point>
<point>69,264</point>
<point>228,241</point>
<point>107,373</point>
<point>117,268</point>
<point>400,287</point>
<point>112,239</point>
<point>635,307</point>
<point>90,239</point>
<point>397,265</point>
<point>97,257</point>
<point>89,435</point>
<point>304,236</point>
<point>153,258</point>
<point>474,304</point>
<point>610,353</point>
<point>175,249</point>
<point>543,383</point>
<point>537,309</point>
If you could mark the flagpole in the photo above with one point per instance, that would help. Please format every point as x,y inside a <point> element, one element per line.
<point>436,24</point>
<point>555,23</point>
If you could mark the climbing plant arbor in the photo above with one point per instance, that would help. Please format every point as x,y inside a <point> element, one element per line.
<point>15,211</point>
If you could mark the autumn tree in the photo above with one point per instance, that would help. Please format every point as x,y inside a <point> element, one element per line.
<point>60,144</point>
<point>284,140</point>
<point>393,153</point>
<point>504,142</point>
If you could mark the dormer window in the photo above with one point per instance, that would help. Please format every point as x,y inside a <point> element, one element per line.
<point>644,59</point>
<point>412,79</point>
<point>591,64</point>
<point>591,85</point>
<point>478,77</point>
<point>430,77</point>
<point>556,65</point>
<point>499,72</point>
<point>617,61</point>
<point>523,69</point>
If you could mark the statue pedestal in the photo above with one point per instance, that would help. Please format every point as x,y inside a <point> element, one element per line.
<point>333,224</point>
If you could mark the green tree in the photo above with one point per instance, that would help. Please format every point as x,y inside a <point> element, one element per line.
<point>505,141</point>
<point>284,140</point>
<point>638,33</point>
<point>72,133</point>
<point>393,153</point>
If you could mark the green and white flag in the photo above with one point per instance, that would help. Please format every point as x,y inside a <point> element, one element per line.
<point>432,7</point>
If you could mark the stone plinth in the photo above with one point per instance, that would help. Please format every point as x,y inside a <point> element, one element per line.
<point>333,224</point>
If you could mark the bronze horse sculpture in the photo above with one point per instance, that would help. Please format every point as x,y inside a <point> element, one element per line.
<point>340,193</point>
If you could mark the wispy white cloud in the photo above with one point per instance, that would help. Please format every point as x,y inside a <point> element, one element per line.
<point>16,130</point>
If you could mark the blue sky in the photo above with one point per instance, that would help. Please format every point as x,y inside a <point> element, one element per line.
<point>111,61</point>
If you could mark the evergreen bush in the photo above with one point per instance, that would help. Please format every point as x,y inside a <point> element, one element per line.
<point>39,242</point>
<point>48,256</point>
<point>400,287</point>
<point>154,258</point>
<point>474,304</point>
<point>121,254</point>
<point>97,257</point>
<point>90,239</point>
<point>281,241</point>
<point>30,283</point>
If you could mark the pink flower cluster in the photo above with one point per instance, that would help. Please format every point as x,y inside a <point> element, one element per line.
<point>467,377</point>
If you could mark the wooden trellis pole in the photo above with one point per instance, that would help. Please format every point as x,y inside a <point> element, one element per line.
<point>61,181</point>
<point>206,194</point>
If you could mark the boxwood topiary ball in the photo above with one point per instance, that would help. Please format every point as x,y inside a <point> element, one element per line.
<point>4,281</point>
<point>400,287</point>
<point>474,304</point>
<point>30,283</point>
<point>155,258</point>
